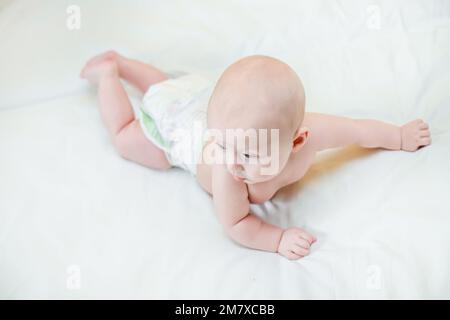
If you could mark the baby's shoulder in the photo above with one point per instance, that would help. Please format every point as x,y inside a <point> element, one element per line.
<point>315,123</point>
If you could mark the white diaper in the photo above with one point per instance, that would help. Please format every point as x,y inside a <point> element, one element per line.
<point>173,117</point>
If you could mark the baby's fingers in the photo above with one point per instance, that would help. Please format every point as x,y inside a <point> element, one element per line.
<point>425,141</point>
<point>424,133</point>
<point>303,243</point>
<point>301,251</point>
<point>292,255</point>
<point>311,239</point>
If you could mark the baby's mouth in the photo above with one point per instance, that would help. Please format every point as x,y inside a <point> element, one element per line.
<point>239,177</point>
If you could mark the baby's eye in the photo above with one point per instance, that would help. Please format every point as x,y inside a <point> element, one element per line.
<point>249,155</point>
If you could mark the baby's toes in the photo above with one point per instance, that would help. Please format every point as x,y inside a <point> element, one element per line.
<point>98,58</point>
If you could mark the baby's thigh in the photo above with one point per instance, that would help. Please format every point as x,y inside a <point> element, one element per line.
<point>132,144</point>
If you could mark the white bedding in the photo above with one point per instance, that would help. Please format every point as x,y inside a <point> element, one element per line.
<point>77,221</point>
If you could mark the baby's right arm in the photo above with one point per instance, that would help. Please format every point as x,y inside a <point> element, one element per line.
<point>233,209</point>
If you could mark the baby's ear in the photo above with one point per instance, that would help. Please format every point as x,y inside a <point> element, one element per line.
<point>300,137</point>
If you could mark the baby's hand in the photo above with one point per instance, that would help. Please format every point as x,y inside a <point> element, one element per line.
<point>414,135</point>
<point>295,243</point>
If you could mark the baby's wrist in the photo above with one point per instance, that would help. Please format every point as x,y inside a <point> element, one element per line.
<point>279,240</point>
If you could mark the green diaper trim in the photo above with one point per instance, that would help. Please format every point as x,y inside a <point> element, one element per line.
<point>152,131</point>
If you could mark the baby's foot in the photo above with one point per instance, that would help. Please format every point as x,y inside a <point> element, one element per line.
<point>107,55</point>
<point>104,64</point>
<point>415,134</point>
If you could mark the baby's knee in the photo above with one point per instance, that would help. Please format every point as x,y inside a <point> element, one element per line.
<point>132,145</point>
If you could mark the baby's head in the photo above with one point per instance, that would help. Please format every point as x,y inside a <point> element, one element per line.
<point>258,94</point>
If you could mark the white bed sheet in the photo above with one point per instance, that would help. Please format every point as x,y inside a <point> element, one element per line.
<point>71,209</point>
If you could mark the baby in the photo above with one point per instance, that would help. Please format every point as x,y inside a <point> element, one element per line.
<point>256,106</point>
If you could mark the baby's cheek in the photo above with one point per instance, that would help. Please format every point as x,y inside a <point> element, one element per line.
<point>273,165</point>
<point>252,170</point>
<point>258,172</point>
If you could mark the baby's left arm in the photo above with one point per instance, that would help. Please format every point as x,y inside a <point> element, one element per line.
<point>328,131</point>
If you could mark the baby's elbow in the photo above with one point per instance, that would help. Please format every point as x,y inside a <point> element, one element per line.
<point>230,229</point>
<point>236,234</point>
<point>239,232</point>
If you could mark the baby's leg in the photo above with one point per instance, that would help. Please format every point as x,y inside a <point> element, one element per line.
<point>137,73</point>
<point>118,116</point>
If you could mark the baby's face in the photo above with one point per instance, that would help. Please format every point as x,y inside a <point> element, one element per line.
<point>256,94</point>
<point>253,158</point>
